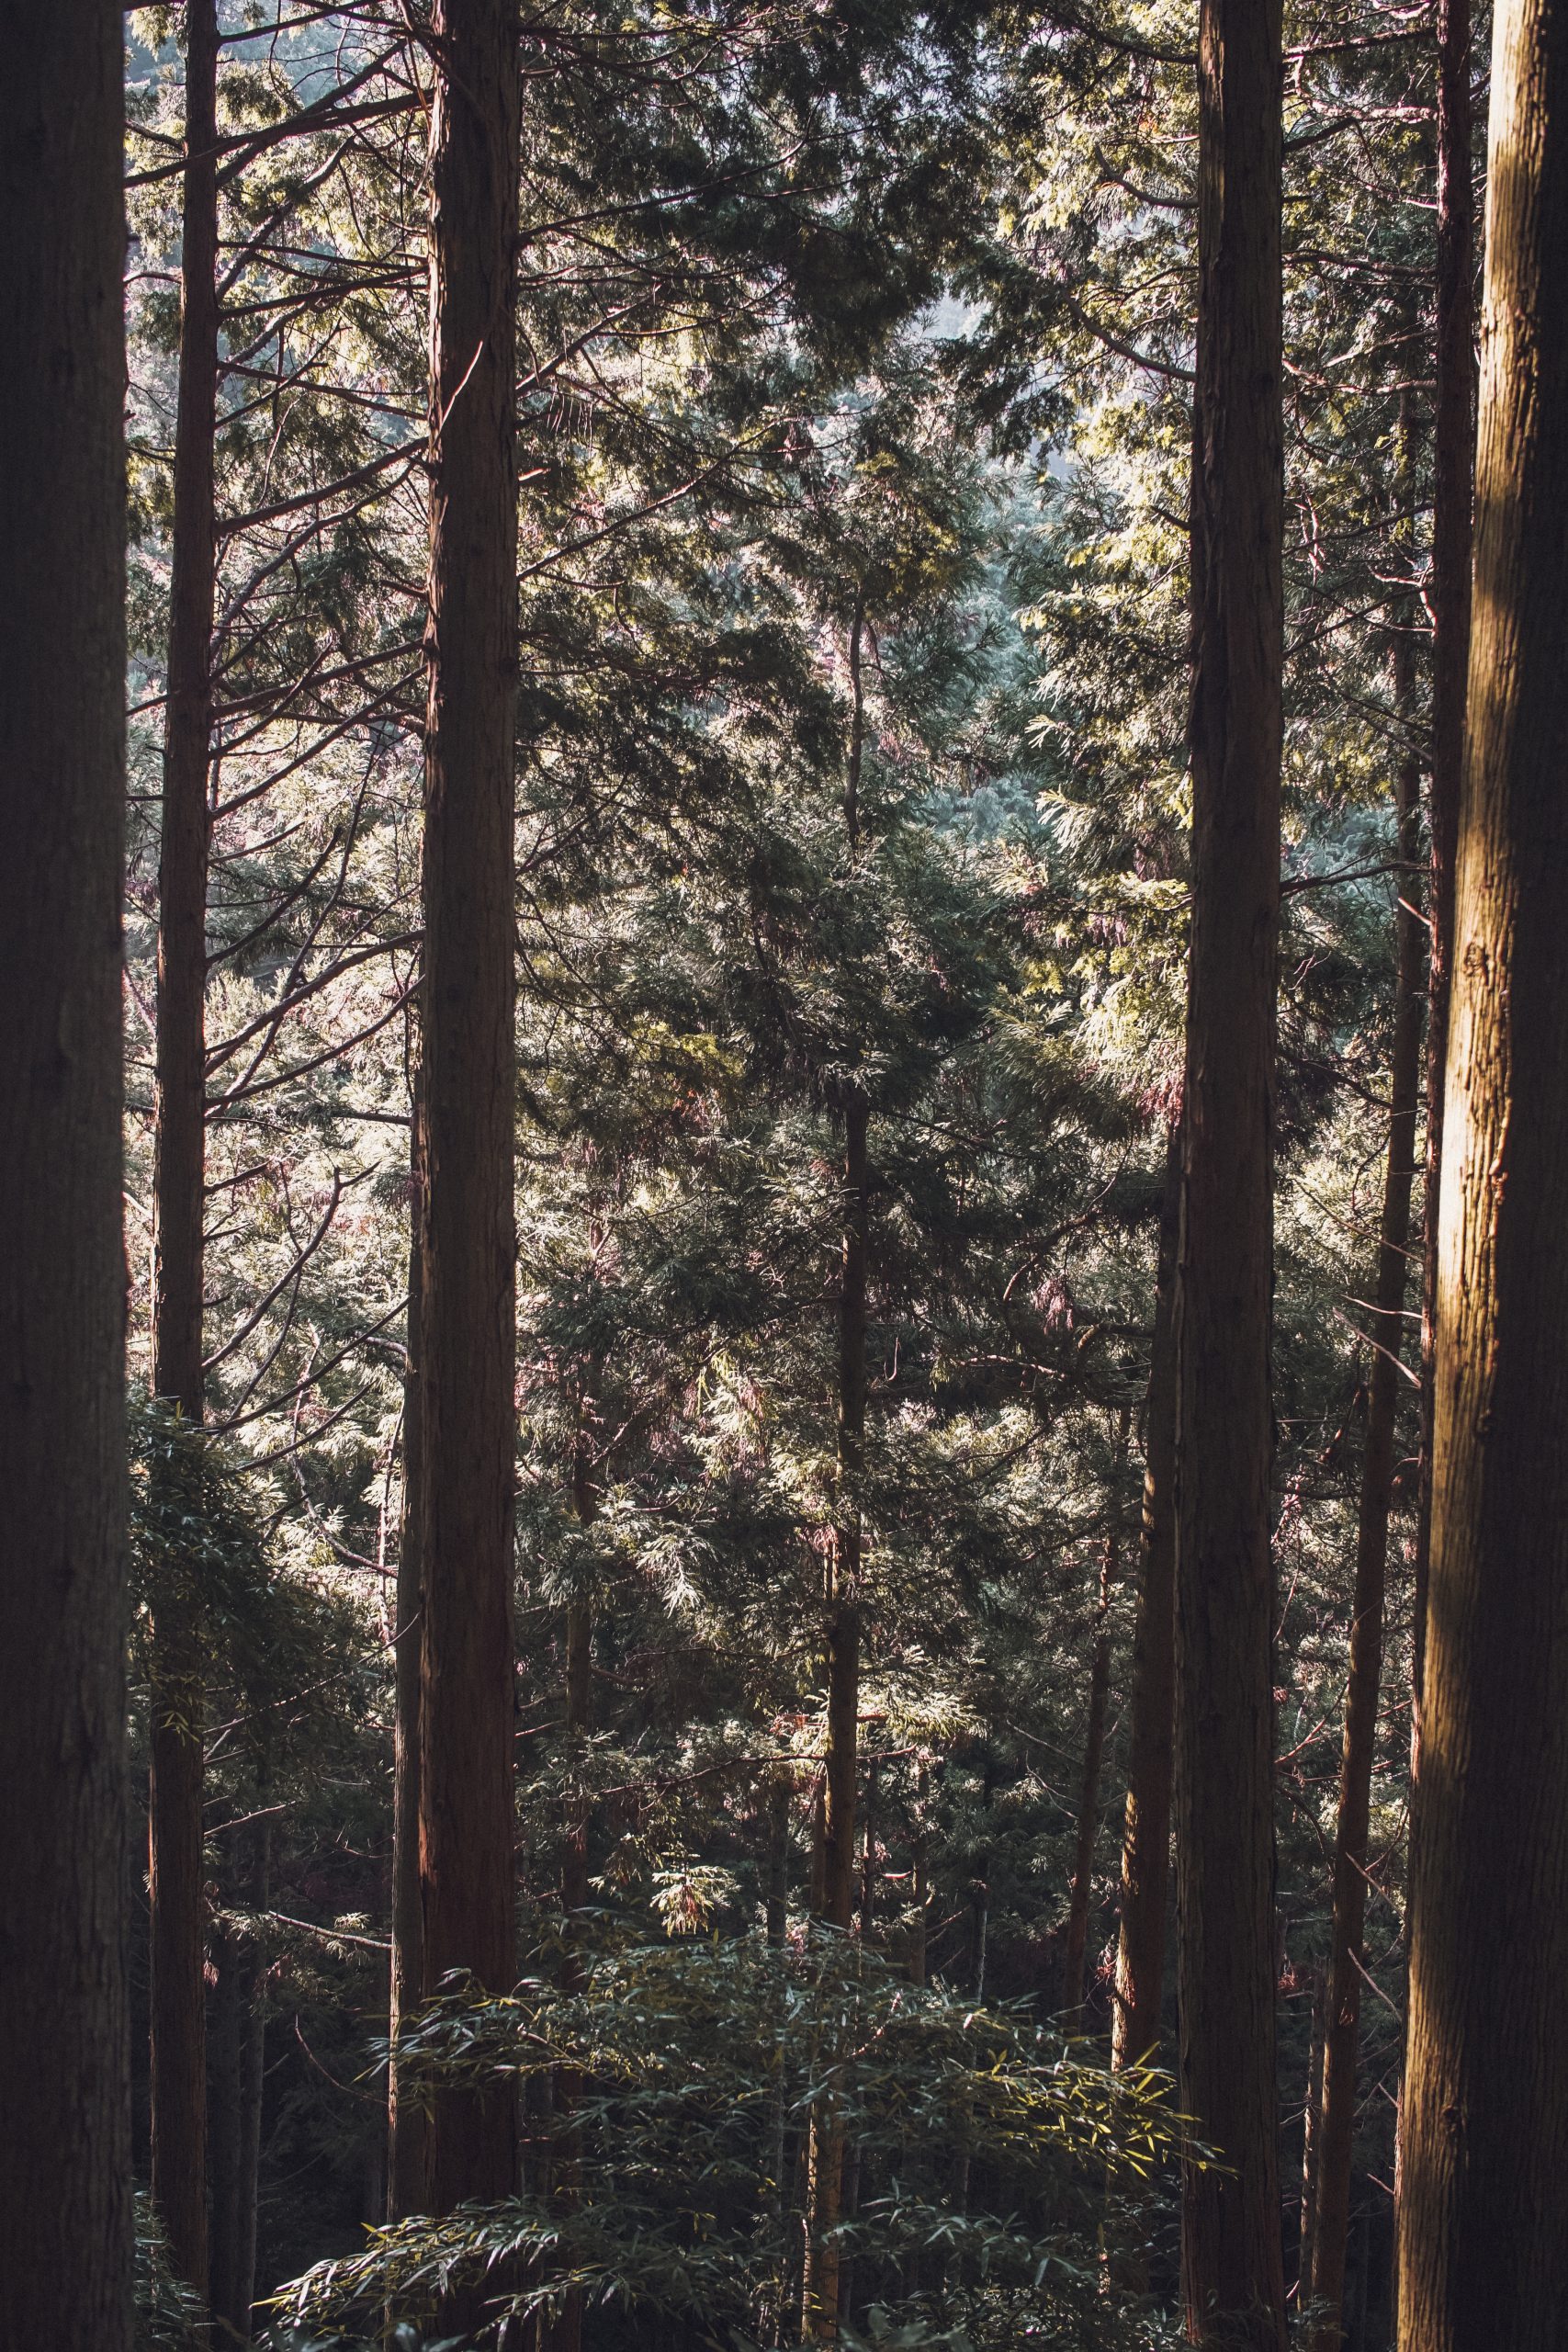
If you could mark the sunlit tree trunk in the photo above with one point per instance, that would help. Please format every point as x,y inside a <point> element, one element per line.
<point>1146,1840</point>
<point>64,2098</point>
<point>177,1924</point>
<point>1094,1749</point>
<point>1342,2028</point>
<point>1453,486</point>
<point>1233,2273</point>
<point>467,1241</point>
<point>1483,2255</point>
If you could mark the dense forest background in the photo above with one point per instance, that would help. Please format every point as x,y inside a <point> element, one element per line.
<point>667,1363</point>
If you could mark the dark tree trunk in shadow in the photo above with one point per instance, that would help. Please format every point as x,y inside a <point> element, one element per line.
<point>1233,2272</point>
<point>64,2094</point>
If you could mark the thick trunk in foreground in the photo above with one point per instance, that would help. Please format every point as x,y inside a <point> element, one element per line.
<point>1094,1753</point>
<point>467,1246</point>
<point>1342,2031</point>
<point>1233,2275</point>
<point>1484,2254</point>
<point>1453,487</point>
<point>65,2145</point>
<point>1145,1840</point>
<point>177,1928</point>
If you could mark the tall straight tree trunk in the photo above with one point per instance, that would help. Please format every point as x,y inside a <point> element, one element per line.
<point>235,2053</point>
<point>178,1925</point>
<point>920,1876</point>
<point>1312,2138</point>
<point>1453,486</point>
<point>1483,2255</point>
<point>1331,2234</point>
<point>779,1794</point>
<point>406,2154</point>
<point>64,2091</point>
<point>1145,1840</point>
<point>253,2076</point>
<point>826,2160</point>
<point>826,2154</point>
<point>467,1241</point>
<point>1233,2275</point>
<point>563,2333</point>
<point>1094,1749</point>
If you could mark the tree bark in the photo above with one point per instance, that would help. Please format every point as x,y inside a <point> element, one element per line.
<point>178,1925</point>
<point>1312,2137</point>
<point>779,1797</point>
<point>826,2154</point>
<point>1453,487</point>
<point>1233,2272</point>
<point>1094,1751</point>
<point>407,2135</point>
<point>65,2093</point>
<point>1145,1843</point>
<point>826,2160</point>
<point>1342,2028</point>
<point>467,1240</point>
<point>920,1890</point>
<point>1483,2257</point>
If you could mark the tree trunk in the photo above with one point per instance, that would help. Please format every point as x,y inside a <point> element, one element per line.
<point>1145,1843</point>
<point>1331,2228</point>
<point>466,1240</point>
<point>1094,1752</point>
<point>253,2075</point>
<point>838,1893</point>
<point>1483,2257</point>
<point>235,2087</point>
<point>920,1891</point>
<point>1312,2138</point>
<point>564,2332</point>
<point>224,2030</point>
<point>65,2093</point>
<point>1233,2273</point>
<point>1453,489</point>
<point>178,1925</point>
<point>407,2132</point>
<point>825,2157</point>
<point>868,1852</point>
<point>778,1859</point>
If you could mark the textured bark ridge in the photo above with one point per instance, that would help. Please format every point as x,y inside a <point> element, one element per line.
<point>466,1243</point>
<point>178,1921</point>
<point>1484,2257</point>
<point>64,2148</point>
<point>1232,2268</point>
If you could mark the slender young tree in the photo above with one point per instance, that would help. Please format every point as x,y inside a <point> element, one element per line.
<point>1336,2109</point>
<point>1484,2252</point>
<point>837,1893</point>
<point>178,1925</point>
<point>65,2148</point>
<point>1145,1837</point>
<point>1076,1950</point>
<point>467,1339</point>
<point>406,2134</point>
<point>1233,2275</point>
